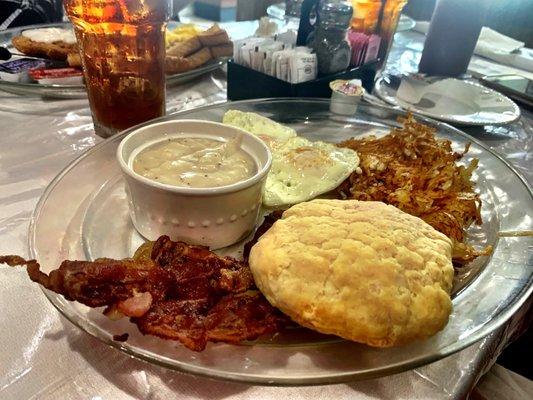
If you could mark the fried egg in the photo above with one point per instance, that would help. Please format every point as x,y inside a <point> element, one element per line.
<point>301,169</point>
<point>271,132</point>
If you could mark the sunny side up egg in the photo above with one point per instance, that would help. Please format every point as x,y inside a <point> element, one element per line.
<point>301,170</point>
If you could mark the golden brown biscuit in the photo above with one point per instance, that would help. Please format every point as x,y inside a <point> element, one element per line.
<point>185,48</point>
<point>55,51</point>
<point>364,271</point>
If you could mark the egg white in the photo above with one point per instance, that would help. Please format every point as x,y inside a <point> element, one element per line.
<point>301,170</point>
<point>258,125</point>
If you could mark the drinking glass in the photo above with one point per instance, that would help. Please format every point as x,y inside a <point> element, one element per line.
<point>122,47</point>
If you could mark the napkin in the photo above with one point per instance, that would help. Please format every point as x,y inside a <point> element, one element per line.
<point>497,47</point>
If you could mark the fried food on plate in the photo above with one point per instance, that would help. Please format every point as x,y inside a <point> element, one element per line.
<point>74,60</point>
<point>214,36</point>
<point>362,270</point>
<point>413,170</point>
<point>258,125</point>
<point>199,58</point>
<point>223,50</point>
<point>58,50</point>
<point>302,169</point>
<point>194,49</point>
<point>177,65</point>
<point>184,48</point>
<point>169,289</point>
<point>181,33</point>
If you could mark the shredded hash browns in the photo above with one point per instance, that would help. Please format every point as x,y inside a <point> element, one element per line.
<point>414,171</point>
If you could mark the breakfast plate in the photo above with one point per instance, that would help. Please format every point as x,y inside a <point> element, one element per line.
<point>451,100</point>
<point>78,91</point>
<point>83,214</point>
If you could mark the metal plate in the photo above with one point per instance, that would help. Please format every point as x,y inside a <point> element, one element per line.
<point>462,113</point>
<point>83,214</point>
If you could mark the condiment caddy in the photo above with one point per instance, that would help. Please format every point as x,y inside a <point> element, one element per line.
<point>302,64</point>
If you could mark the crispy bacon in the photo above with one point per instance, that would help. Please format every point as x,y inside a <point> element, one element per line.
<point>241,317</point>
<point>169,289</point>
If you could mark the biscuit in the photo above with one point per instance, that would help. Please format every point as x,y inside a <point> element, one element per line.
<point>364,271</point>
<point>55,51</point>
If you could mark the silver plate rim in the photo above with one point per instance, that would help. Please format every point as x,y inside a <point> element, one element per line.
<point>60,304</point>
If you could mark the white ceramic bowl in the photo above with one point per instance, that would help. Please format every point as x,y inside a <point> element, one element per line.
<point>214,217</point>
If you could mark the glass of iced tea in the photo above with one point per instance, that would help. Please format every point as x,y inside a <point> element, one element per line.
<point>122,47</point>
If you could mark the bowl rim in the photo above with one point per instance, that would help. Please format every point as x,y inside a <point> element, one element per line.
<point>234,187</point>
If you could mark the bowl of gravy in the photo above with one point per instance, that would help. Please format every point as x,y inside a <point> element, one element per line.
<point>196,181</point>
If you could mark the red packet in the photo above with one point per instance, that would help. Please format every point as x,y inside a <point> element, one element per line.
<point>359,43</point>
<point>373,48</point>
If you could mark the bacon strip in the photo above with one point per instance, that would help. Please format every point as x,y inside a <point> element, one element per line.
<point>181,292</point>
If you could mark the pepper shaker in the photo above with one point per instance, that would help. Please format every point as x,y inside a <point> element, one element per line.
<point>328,39</point>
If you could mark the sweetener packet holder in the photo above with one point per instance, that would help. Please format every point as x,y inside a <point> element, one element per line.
<point>246,83</point>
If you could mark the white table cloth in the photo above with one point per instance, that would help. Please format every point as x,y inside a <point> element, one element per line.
<point>43,356</point>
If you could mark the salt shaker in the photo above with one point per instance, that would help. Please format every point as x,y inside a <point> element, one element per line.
<point>329,37</point>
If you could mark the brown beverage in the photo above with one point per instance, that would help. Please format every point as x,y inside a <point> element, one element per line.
<point>122,46</point>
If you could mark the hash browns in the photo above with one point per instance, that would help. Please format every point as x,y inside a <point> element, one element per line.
<point>413,170</point>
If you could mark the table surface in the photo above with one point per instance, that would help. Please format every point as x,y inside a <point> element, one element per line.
<point>44,356</point>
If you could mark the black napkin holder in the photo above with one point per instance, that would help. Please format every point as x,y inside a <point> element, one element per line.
<point>246,83</point>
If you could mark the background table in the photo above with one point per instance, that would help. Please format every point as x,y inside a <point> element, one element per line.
<point>43,356</point>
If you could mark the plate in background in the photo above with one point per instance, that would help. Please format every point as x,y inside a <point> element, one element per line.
<point>469,103</point>
<point>78,91</point>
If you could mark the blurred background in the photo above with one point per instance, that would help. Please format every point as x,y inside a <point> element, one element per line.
<point>511,18</point>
